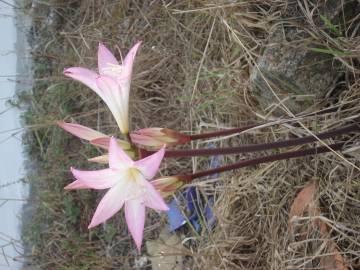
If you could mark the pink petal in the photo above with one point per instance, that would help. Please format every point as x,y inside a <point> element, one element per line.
<point>84,75</point>
<point>115,99</point>
<point>153,199</point>
<point>77,184</point>
<point>81,131</point>
<point>111,90</point>
<point>109,205</point>
<point>105,57</point>
<point>150,165</point>
<point>129,62</point>
<point>100,179</point>
<point>135,219</point>
<point>117,157</point>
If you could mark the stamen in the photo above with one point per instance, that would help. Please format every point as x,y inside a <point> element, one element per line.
<point>113,69</point>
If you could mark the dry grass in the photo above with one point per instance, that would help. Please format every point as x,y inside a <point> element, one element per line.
<point>191,74</point>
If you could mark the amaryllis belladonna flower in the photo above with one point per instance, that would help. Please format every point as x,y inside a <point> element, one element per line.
<point>128,185</point>
<point>112,83</point>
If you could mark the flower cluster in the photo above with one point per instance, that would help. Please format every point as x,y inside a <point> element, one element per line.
<point>127,180</point>
<point>134,160</point>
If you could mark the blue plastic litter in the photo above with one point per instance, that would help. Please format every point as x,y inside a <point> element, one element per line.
<point>194,205</point>
<point>175,217</point>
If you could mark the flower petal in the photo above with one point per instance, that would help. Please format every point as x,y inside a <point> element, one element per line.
<point>150,165</point>
<point>153,199</point>
<point>100,179</point>
<point>105,59</point>
<point>110,204</point>
<point>129,62</point>
<point>77,184</point>
<point>117,157</point>
<point>135,219</point>
<point>84,75</point>
<point>116,99</point>
<point>81,131</point>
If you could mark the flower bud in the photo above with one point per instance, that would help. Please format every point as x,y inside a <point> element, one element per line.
<point>103,142</point>
<point>157,137</point>
<point>168,185</point>
<point>93,136</point>
<point>104,159</point>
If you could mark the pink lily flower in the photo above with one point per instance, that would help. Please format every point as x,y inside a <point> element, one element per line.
<point>128,185</point>
<point>112,83</point>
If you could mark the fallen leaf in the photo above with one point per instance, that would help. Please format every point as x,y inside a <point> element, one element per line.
<point>303,201</point>
<point>335,261</point>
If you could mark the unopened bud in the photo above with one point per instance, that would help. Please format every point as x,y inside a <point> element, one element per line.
<point>104,159</point>
<point>103,142</point>
<point>157,137</point>
<point>168,185</point>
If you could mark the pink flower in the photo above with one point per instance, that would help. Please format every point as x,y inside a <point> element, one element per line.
<point>128,185</point>
<point>112,83</point>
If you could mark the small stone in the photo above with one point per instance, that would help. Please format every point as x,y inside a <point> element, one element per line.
<point>141,262</point>
<point>297,74</point>
<point>165,252</point>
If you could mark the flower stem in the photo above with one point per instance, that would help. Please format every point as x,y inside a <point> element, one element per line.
<point>128,138</point>
<point>255,147</point>
<point>265,159</point>
<point>230,131</point>
<point>133,146</point>
<point>223,132</point>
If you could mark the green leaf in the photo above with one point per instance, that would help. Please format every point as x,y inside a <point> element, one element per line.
<point>330,26</point>
<point>330,51</point>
